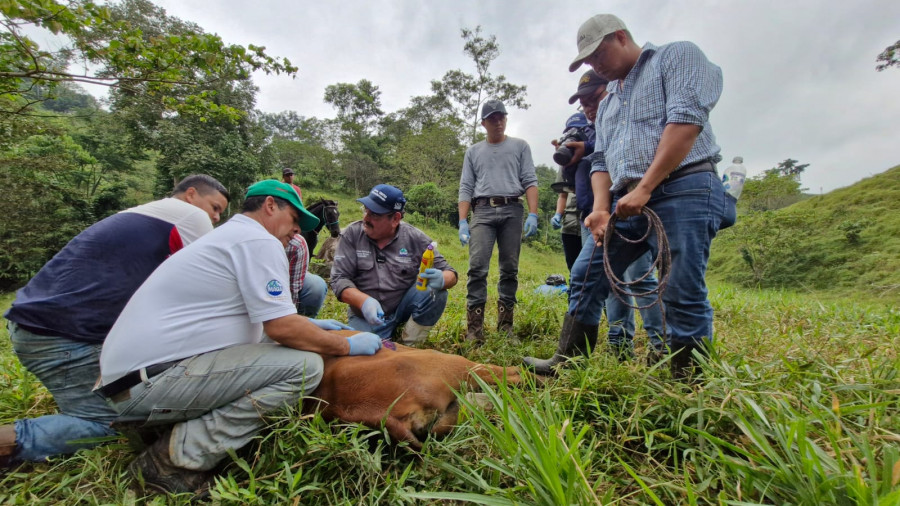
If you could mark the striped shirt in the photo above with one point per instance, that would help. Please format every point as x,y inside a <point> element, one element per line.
<point>673,83</point>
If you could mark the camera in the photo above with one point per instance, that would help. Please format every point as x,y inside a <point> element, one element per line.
<point>574,132</point>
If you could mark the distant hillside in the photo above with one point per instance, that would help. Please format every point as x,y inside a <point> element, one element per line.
<point>845,239</point>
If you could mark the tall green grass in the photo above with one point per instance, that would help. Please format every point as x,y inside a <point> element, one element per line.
<point>800,405</point>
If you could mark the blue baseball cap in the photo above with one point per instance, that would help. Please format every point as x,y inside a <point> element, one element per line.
<point>384,199</point>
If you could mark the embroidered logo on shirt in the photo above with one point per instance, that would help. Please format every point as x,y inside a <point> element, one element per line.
<point>274,288</point>
<point>404,252</point>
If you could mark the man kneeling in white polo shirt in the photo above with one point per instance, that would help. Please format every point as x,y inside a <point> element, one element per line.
<point>190,348</point>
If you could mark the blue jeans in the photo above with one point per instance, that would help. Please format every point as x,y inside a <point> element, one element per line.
<point>501,225</point>
<point>424,307</point>
<point>692,209</point>
<point>312,295</point>
<point>68,369</point>
<point>217,399</point>
<point>619,316</point>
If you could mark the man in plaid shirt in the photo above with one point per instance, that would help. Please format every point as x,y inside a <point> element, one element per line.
<point>307,289</point>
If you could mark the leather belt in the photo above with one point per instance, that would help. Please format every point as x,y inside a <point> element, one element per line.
<point>693,168</point>
<point>687,170</point>
<point>133,378</point>
<point>496,201</point>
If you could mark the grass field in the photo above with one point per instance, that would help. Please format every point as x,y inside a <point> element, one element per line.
<point>801,406</point>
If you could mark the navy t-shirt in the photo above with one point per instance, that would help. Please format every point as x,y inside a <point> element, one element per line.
<point>80,292</point>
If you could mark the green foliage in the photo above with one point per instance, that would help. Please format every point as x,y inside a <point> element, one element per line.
<point>888,58</point>
<point>430,201</point>
<point>806,244</point>
<point>466,92</point>
<point>775,188</point>
<point>170,68</point>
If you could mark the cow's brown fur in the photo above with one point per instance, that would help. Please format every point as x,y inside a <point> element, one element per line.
<point>409,390</point>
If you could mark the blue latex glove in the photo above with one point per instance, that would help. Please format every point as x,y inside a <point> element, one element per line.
<point>556,221</point>
<point>435,279</point>
<point>330,324</point>
<point>372,312</point>
<point>463,232</point>
<point>531,225</point>
<point>364,343</point>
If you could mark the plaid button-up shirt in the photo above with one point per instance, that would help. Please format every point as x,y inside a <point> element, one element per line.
<point>673,83</point>
<point>298,259</point>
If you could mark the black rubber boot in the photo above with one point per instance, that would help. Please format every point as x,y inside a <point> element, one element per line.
<point>576,338</point>
<point>475,325</point>
<point>684,365</point>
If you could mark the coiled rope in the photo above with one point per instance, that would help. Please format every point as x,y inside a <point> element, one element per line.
<point>623,289</point>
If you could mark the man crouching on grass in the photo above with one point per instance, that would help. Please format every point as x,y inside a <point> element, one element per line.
<point>212,341</point>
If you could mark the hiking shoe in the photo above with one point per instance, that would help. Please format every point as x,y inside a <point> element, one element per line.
<point>154,469</point>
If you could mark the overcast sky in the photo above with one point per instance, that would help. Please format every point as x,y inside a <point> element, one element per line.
<point>800,79</point>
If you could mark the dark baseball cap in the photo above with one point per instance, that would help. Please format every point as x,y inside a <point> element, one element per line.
<point>289,171</point>
<point>588,85</point>
<point>274,188</point>
<point>384,199</point>
<point>490,107</point>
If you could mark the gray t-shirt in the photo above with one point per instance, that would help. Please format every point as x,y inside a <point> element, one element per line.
<point>497,170</point>
<point>385,274</point>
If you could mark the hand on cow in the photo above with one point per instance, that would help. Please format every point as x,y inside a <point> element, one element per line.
<point>463,232</point>
<point>364,343</point>
<point>373,312</point>
<point>330,324</point>
<point>435,279</point>
<point>531,225</point>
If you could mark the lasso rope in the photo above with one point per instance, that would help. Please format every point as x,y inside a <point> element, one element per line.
<point>622,289</point>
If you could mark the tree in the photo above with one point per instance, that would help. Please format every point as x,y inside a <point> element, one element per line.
<point>769,191</point>
<point>790,168</point>
<point>359,114</point>
<point>171,66</point>
<point>466,92</point>
<point>434,155</point>
<point>889,57</point>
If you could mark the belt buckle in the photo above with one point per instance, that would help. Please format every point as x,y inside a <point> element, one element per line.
<point>493,201</point>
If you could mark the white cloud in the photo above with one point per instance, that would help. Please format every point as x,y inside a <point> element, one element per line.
<point>800,79</point>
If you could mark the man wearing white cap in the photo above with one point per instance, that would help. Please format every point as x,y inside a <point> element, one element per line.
<point>654,148</point>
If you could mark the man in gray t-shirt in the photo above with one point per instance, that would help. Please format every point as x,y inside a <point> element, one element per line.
<point>496,173</point>
<point>376,266</point>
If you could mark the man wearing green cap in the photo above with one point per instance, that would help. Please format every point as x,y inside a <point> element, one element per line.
<point>212,341</point>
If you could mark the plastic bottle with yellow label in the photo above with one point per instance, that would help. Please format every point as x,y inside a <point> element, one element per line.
<point>427,263</point>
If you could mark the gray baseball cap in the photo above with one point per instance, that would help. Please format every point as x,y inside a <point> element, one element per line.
<point>591,34</point>
<point>490,107</point>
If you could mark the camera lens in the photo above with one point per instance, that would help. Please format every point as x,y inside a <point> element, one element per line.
<point>563,156</point>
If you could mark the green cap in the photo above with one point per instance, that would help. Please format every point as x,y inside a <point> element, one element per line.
<point>275,188</point>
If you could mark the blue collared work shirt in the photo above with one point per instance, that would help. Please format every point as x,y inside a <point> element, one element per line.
<point>673,83</point>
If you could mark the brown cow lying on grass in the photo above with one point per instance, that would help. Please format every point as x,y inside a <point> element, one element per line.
<point>408,389</point>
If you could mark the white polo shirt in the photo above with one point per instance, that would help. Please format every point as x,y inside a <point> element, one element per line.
<point>213,294</point>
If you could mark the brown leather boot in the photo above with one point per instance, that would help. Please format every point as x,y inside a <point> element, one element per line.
<point>505,320</point>
<point>154,468</point>
<point>7,444</point>
<point>475,325</point>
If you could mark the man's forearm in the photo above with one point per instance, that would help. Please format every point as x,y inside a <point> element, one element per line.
<point>601,182</point>
<point>531,195</point>
<point>354,298</point>
<point>464,210</point>
<point>295,331</point>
